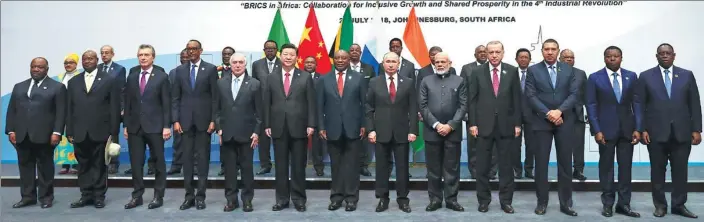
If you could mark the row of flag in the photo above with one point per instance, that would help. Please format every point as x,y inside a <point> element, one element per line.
<point>312,43</point>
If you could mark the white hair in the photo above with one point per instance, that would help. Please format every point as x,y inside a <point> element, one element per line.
<point>236,56</point>
<point>443,54</point>
<point>390,55</point>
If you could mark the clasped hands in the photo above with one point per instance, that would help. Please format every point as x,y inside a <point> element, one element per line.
<point>474,131</point>
<point>372,137</point>
<point>443,129</point>
<point>555,117</point>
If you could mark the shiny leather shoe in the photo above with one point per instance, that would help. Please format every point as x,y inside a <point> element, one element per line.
<point>230,206</point>
<point>334,206</point>
<point>541,209</point>
<point>365,172</point>
<point>507,208</point>
<point>134,202</point>
<point>279,207</point>
<point>200,204</point>
<point>383,205</point>
<point>454,206</point>
<point>156,203</point>
<point>351,207</point>
<point>99,204</point>
<point>626,210</point>
<point>569,211</point>
<point>300,207</point>
<point>607,211</point>
<point>247,206</point>
<point>404,207</point>
<point>187,204</point>
<point>173,171</point>
<point>682,211</point>
<point>47,204</point>
<point>264,171</point>
<point>529,175</point>
<point>483,208</point>
<point>433,206</point>
<point>24,203</point>
<point>660,212</point>
<point>81,203</point>
<point>579,175</point>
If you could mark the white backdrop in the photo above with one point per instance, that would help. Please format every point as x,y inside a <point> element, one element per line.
<point>54,29</point>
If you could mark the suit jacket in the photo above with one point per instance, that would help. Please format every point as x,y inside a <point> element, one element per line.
<point>151,111</point>
<point>526,111</point>
<point>607,115</point>
<point>38,116</point>
<point>367,71</point>
<point>465,73</point>
<point>296,110</point>
<point>662,114</point>
<point>543,96</point>
<point>406,69</point>
<point>486,109</point>
<point>94,114</point>
<point>582,98</point>
<point>118,72</point>
<point>336,111</point>
<point>240,117</point>
<point>443,99</point>
<point>260,68</point>
<point>392,120</point>
<point>195,106</point>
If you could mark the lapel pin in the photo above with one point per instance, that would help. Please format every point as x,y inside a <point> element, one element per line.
<point>152,74</point>
<point>455,90</point>
<point>246,82</point>
<point>626,78</point>
<point>202,68</point>
<point>44,87</point>
<point>400,80</point>
<point>111,68</point>
<point>503,72</point>
<point>349,77</point>
<point>98,79</point>
<point>677,76</point>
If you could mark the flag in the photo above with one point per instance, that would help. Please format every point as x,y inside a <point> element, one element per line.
<point>415,43</point>
<point>345,34</point>
<point>312,44</point>
<point>278,33</point>
<point>419,143</point>
<point>370,46</point>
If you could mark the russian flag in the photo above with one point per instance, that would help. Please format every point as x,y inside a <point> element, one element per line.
<point>369,50</point>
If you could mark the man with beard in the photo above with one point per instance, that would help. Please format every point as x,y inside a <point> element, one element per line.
<point>368,72</point>
<point>93,116</point>
<point>35,122</point>
<point>261,69</point>
<point>567,56</point>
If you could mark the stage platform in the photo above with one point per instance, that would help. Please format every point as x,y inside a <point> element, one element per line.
<point>641,179</point>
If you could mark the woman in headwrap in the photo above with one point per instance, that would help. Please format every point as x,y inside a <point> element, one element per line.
<point>63,154</point>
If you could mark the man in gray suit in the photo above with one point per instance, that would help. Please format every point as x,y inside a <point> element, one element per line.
<point>567,56</point>
<point>443,100</point>
<point>368,72</point>
<point>260,71</point>
<point>239,120</point>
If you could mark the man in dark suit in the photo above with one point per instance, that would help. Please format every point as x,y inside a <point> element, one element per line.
<point>289,118</point>
<point>367,72</point>
<point>147,121</point>
<point>318,149</point>
<point>615,122</point>
<point>523,58</point>
<point>466,72</point>
<point>261,69</point>
<point>35,123</point>
<point>495,119</point>
<point>341,123</point>
<point>429,70</point>
<point>238,123</point>
<point>223,70</point>
<point>443,131</point>
<point>553,90</point>
<point>93,115</point>
<point>177,159</point>
<point>567,57</point>
<point>117,71</point>
<point>194,105</point>
<point>672,121</point>
<point>392,122</point>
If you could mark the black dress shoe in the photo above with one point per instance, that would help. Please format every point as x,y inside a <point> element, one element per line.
<point>569,211</point>
<point>626,210</point>
<point>507,208</point>
<point>529,175</point>
<point>660,212</point>
<point>483,208</point>
<point>99,204</point>
<point>247,206</point>
<point>319,172</point>
<point>156,203</point>
<point>540,209</point>
<point>351,207</point>
<point>230,206</point>
<point>187,204</point>
<point>300,207</point>
<point>454,206</point>
<point>607,211</point>
<point>492,177</point>
<point>334,206</point>
<point>579,175</point>
<point>128,172</point>
<point>264,171</point>
<point>150,171</point>
<point>24,203</point>
<point>134,202</point>
<point>682,211</point>
<point>81,203</point>
<point>174,171</point>
<point>221,172</point>
<point>112,169</point>
<point>383,205</point>
<point>279,207</point>
<point>433,206</point>
<point>200,204</point>
<point>47,204</point>
<point>365,172</point>
<point>404,207</point>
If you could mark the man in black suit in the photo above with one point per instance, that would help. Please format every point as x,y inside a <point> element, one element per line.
<point>194,105</point>
<point>177,159</point>
<point>429,70</point>
<point>552,88</point>
<point>443,131</point>
<point>223,70</point>
<point>466,72</point>
<point>672,124</point>
<point>239,121</point>
<point>523,58</point>
<point>567,56</point>
<point>117,71</point>
<point>495,120</point>
<point>392,122</point>
<point>341,123</point>
<point>147,121</point>
<point>318,149</point>
<point>260,71</point>
<point>93,115</point>
<point>35,123</point>
<point>289,118</point>
<point>367,72</point>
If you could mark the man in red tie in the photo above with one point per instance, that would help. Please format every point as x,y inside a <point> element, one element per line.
<point>289,118</point>
<point>495,120</point>
<point>392,122</point>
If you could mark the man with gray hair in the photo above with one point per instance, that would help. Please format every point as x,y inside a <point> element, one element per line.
<point>443,116</point>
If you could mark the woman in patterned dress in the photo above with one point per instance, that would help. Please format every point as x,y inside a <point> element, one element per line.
<point>63,154</point>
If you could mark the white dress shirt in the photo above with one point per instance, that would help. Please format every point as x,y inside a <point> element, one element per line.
<point>90,78</point>
<point>491,72</point>
<point>29,91</point>
<point>344,76</point>
<point>611,79</point>
<point>146,78</point>
<point>290,77</point>
<point>189,68</point>
<point>662,72</point>
<point>388,82</point>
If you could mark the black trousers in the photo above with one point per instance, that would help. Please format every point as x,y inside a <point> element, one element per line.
<point>365,153</point>
<point>442,160</point>
<point>485,149</point>
<point>678,154</point>
<point>234,154</point>
<point>564,139</point>
<point>400,155</point>
<point>92,175</point>
<point>344,158</point>
<point>291,152</point>
<point>472,157</point>
<point>578,152</point>
<point>318,151</point>
<point>177,159</point>
<point>34,158</point>
<point>530,147</point>
<point>195,141</point>
<point>137,144</point>
<point>264,150</point>
<point>623,149</point>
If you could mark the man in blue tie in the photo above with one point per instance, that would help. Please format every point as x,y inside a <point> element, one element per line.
<point>672,124</point>
<point>615,122</point>
<point>523,58</point>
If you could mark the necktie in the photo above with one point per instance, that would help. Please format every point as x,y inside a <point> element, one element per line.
<point>271,67</point>
<point>392,89</point>
<point>668,83</point>
<point>89,81</point>
<point>193,76</point>
<point>235,88</point>
<point>33,90</point>
<point>553,76</point>
<point>523,80</point>
<point>105,68</point>
<point>143,82</point>
<point>287,83</point>
<point>495,81</point>
<point>340,83</point>
<point>617,87</point>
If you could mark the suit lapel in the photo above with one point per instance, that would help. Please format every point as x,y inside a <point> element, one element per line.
<point>385,88</point>
<point>487,77</point>
<point>677,81</point>
<point>347,81</point>
<point>658,75</point>
<point>626,83</point>
<point>294,77</point>
<point>227,85</point>
<point>97,80</point>
<point>334,83</point>
<point>150,78</point>
<point>558,77</point>
<point>400,88</point>
<point>503,79</point>
<point>604,79</point>
<point>277,74</point>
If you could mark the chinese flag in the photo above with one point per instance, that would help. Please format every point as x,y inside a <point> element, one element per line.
<point>312,44</point>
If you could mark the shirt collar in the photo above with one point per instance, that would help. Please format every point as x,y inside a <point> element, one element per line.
<point>271,61</point>
<point>108,64</point>
<point>93,73</point>
<point>610,72</point>
<point>395,75</point>
<point>662,69</point>
<point>491,67</point>
<point>358,64</point>
<point>548,65</point>
<point>149,70</point>
<point>40,81</point>
<point>197,63</point>
<point>344,72</point>
<point>238,78</point>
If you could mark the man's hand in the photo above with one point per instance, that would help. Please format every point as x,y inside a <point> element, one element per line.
<point>444,129</point>
<point>310,131</point>
<point>124,132</point>
<point>268,132</point>
<point>323,134</point>
<point>411,137</point>
<point>255,140</point>
<point>599,138</point>
<point>636,137</point>
<point>13,138</point>
<point>211,127</point>
<point>177,128</point>
<point>646,138</point>
<point>420,117</point>
<point>362,131</point>
<point>70,139</point>
<point>220,137</point>
<point>558,122</point>
<point>554,114</point>
<point>518,131</point>
<point>166,133</point>
<point>372,137</point>
<point>55,139</point>
<point>696,138</point>
<point>474,131</point>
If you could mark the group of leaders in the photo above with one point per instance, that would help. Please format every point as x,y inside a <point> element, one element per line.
<point>351,106</point>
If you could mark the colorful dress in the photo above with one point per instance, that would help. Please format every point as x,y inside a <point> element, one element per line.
<point>63,154</point>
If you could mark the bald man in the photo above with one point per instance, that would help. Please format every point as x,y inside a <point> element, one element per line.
<point>567,56</point>
<point>119,72</point>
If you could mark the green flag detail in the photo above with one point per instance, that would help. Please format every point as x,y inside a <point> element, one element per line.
<point>419,143</point>
<point>345,34</point>
<point>278,32</point>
